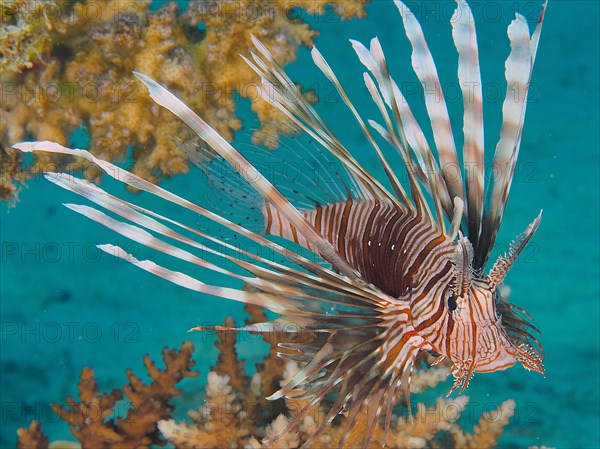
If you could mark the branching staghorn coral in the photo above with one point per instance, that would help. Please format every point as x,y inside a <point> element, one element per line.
<point>92,420</point>
<point>236,415</point>
<point>66,65</point>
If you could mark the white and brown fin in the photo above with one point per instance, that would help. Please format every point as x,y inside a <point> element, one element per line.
<point>469,77</point>
<point>424,67</point>
<point>519,69</point>
<point>367,334</point>
<point>504,263</point>
<point>169,101</point>
<point>348,316</point>
<point>279,91</point>
<point>445,176</point>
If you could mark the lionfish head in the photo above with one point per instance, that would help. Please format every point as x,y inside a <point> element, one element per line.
<point>486,332</point>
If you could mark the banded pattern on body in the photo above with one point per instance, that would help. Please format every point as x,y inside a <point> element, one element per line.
<point>393,279</point>
<point>391,247</point>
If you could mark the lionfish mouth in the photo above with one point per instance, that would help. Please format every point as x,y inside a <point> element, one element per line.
<point>504,358</point>
<point>523,353</point>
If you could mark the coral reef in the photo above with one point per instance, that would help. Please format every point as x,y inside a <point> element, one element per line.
<point>94,420</point>
<point>12,173</point>
<point>68,65</point>
<point>25,33</point>
<point>32,437</point>
<point>236,415</point>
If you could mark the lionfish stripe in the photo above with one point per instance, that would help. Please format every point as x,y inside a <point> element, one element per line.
<point>284,95</point>
<point>279,274</point>
<point>329,277</point>
<point>435,103</point>
<point>183,280</point>
<point>169,101</point>
<point>276,224</point>
<point>518,75</point>
<point>504,263</point>
<point>381,97</point>
<point>326,69</point>
<point>465,40</point>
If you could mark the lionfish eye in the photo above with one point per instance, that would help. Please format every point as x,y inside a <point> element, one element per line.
<point>452,303</point>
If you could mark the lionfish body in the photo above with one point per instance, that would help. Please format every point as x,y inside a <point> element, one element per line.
<point>397,276</point>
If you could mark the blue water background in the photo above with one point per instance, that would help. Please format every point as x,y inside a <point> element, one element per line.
<point>65,306</point>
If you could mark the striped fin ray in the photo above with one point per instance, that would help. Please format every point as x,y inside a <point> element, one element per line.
<point>374,369</point>
<point>318,178</point>
<point>273,300</point>
<point>169,101</point>
<point>388,85</point>
<point>504,263</point>
<point>183,280</point>
<point>292,278</point>
<point>132,180</point>
<point>517,323</point>
<point>328,72</point>
<point>322,178</point>
<point>270,301</point>
<point>469,76</point>
<point>519,68</point>
<point>435,103</point>
<point>300,171</point>
<point>410,134</point>
<point>230,194</point>
<point>268,284</point>
<point>279,91</point>
<point>381,97</point>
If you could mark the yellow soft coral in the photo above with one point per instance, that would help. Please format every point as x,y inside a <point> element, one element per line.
<point>77,68</point>
<point>24,37</point>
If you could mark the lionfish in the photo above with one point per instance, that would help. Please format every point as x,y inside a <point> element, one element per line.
<point>394,273</point>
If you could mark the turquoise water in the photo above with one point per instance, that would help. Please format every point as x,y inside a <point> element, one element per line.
<point>64,306</point>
